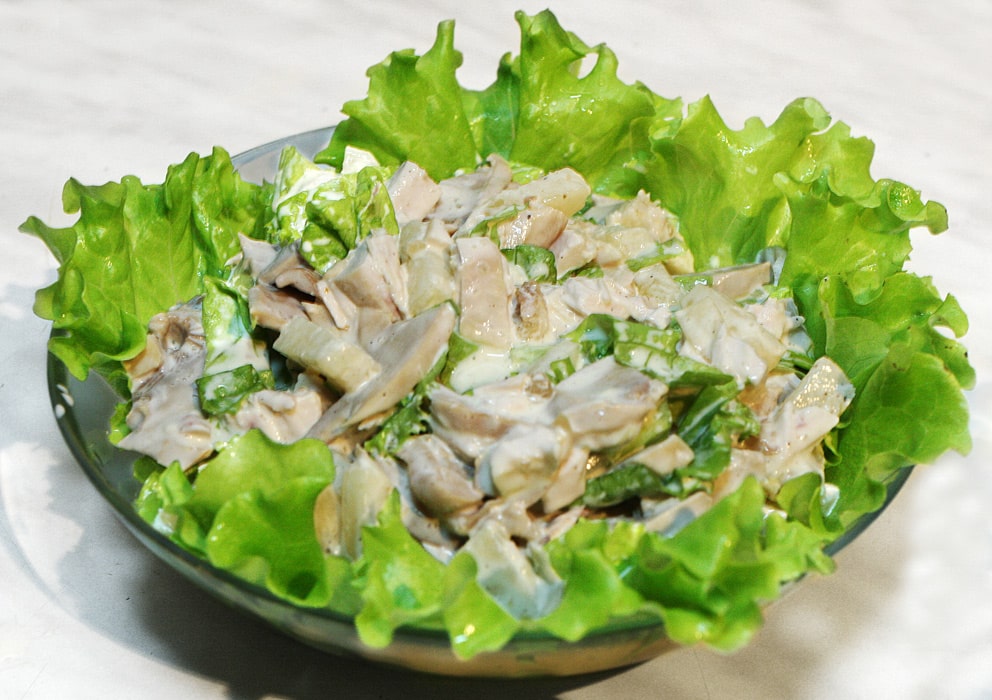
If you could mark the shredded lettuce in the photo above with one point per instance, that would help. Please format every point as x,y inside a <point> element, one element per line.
<point>801,184</point>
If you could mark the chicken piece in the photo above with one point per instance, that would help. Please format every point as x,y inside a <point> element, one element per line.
<point>598,295</point>
<point>605,404</point>
<point>655,282</point>
<point>562,316</point>
<point>289,269</point>
<point>522,463</point>
<point>273,309</point>
<point>573,248</point>
<point>462,193</point>
<point>165,419</point>
<point>424,527</point>
<point>413,193</point>
<point>727,336</point>
<point>405,351</point>
<point>371,278</point>
<point>743,463</point>
<point>664,457</point>
<point>670,515</point>
<point>568,483</point>
<point>471,423</point>
<point>525,586</point>
<point>791,436</point>
<point>642,212</point>
<point>439,481</point>
<point>484,293</point>
<point>256,255</point>
<point>512,514</point>
<point>740,280</point>
<point>284,416</point>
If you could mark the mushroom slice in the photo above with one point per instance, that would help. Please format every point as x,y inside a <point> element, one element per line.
<point>165,418</point>
<point>284,416</point>
<point>271,308</point>
<point>256,255</point>
<point>406,351</point>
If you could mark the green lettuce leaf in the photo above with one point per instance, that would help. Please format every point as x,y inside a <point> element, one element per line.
<point>399,580</point>
<point>414,111</point>
<point>135,251</point>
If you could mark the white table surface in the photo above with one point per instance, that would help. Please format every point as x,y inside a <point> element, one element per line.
<point>98,90</point>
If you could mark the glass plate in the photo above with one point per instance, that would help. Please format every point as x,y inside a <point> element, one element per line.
<point>83,411</point>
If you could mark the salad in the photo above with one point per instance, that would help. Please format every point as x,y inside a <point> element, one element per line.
<point>544,356</point>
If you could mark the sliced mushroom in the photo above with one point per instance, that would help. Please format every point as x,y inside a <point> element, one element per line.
<point>284,416</point>
<point>165,420</point>
<point>273,309</point>
<point>530,311</point>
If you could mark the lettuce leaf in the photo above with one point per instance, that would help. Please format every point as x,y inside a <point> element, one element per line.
<point>135,251</point>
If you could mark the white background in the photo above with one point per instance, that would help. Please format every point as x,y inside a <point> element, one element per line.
<point>98,90</point>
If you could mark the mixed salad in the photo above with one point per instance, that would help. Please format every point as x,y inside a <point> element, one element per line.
<point>544,356</point>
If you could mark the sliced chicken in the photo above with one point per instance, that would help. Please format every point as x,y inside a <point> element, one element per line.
<point>727,336</point>
<point>461,194</point>
<point>791,436</point>
<point>484,293</point>
<point>470,423</point>
<point>522,463</point>
<point>405,351</point>
<point>413,193</point>
<point>605,404</point>
<point>439,480</point>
